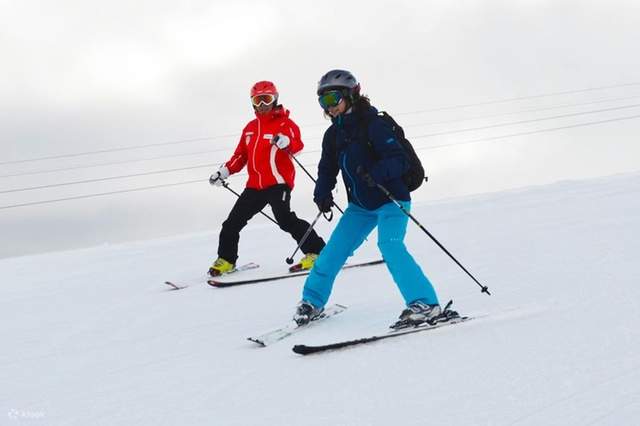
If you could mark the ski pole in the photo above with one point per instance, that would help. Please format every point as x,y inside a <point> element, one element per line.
<point>484,289</point>
<point>289,260</point>
<point>312,178</point>
<point>226,185</point>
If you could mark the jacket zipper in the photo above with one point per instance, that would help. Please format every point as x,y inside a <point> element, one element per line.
<point>255,148</point>
<point>353,183</point>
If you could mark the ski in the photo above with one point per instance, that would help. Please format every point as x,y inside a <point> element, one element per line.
<point>241,268</point>
<point>306,349</point>
<point>292,327</point>
<point>245,267</point>
<point>223,282</point>
<point>175,286</point>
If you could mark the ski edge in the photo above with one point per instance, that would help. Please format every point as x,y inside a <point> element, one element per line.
<point>292,327</point>
<point>310,349</point>
<point>220,284</point>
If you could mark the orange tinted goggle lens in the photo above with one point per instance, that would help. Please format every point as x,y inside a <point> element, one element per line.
<point>263,99</point>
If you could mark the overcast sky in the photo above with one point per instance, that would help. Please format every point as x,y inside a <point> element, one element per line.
<point>84,76</point>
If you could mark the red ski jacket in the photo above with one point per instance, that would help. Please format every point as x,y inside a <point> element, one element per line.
<point>267,165</point>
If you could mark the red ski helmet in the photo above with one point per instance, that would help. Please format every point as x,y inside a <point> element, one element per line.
<point>264,88</point>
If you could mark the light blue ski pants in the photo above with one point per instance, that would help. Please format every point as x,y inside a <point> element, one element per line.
<point>353,228</point>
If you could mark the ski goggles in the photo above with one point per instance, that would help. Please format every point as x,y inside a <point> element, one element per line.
<point>266,99</point>
<point>330,99</point>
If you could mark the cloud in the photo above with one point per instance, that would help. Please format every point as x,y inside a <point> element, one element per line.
<point>81,76</point>
<point>220,34</point>
<point>69,56</point>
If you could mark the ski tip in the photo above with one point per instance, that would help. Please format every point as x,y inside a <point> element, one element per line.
<point>175,286</point>
<point>256,340</point>
<point>307,350</point>
<point>302,349</point>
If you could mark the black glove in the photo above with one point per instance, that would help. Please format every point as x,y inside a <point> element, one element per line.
<point>366,177</point>
<point>325,204</point>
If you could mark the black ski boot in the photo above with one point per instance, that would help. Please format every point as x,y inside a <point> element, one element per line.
<point>415,314</point>
<point>306,312</point>
<point>446,315</point>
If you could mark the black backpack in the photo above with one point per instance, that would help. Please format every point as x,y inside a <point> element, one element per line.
<point>415,175</point>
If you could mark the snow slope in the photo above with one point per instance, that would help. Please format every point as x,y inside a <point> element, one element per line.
<point>93,337</point>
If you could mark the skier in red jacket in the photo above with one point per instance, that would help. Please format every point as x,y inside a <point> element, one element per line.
<point>265,147</point>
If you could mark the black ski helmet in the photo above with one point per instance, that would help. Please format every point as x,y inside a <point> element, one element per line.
<point>339,79</point>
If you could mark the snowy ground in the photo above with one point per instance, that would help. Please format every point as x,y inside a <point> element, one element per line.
<point>93,337</point>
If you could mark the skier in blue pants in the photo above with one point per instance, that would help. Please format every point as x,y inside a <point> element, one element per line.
<point>347,146</point>
<point>356,224</point>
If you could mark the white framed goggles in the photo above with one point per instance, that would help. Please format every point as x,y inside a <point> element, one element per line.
<point>265,99</point>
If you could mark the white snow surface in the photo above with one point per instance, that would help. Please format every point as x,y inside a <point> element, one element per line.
<point>94,337</point>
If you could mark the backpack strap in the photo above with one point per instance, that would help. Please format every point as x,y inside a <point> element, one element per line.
<point>364,135</point>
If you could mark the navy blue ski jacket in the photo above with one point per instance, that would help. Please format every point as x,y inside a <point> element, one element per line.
<point>345,147</point>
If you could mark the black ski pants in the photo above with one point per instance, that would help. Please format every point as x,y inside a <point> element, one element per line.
<point>250,202</point>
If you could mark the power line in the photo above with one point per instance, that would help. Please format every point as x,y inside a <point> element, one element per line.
<point>511,123</point>
<point>79,197</point>
<point>571,126</point>
<point>495,115</point>
<point>533,120</point>
<point>496,101</point>
<point>520,98</point>
<point>492,138</point>
<point>593,123</point>
<point>315,151</point>
<point>547,108</point>
<point>55,185</point>
<point>212,151</point>
<point>505,100</point>
<point>104,151</point>
<point>115,163</point>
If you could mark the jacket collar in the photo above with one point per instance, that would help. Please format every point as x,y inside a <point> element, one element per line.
<point>278,112</point>
<point>353,118</point>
